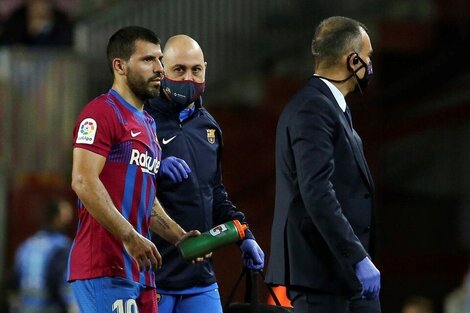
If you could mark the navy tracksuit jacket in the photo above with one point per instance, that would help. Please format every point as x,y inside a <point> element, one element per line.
<point>199,202</point>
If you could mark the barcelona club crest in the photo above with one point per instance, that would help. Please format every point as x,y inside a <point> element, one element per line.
<point>211,135</point>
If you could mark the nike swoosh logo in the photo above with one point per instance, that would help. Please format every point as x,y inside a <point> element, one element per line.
<point>135,134</point>
<point>167,141</point>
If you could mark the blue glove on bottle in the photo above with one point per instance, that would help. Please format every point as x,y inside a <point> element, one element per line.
<point>175,168</point>
<point>369,276</point>
<point>253,256</point>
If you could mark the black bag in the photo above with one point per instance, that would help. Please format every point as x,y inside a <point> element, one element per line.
<point>252,304</point>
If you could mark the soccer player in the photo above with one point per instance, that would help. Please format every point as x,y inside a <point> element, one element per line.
<point>190,180</point>
<point>41,264</point>
<point>116,157</point>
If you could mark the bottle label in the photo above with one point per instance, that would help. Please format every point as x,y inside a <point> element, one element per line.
<point>217,230</point>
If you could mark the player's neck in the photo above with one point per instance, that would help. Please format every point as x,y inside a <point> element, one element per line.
<point>127,94</point>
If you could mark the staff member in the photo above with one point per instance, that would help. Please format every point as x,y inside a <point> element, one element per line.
<point>323,225</point>
<point>190,182</point>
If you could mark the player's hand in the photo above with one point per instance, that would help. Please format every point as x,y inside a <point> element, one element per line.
<point>253,256</point>
<point>174,168</point>
<point>191,233</point>
<point>143,251</point>
<point>194,233</point>
<point>369,276</point>
<point>202,258</point>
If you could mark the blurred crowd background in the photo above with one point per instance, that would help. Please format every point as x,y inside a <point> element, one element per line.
<point>414,118</point>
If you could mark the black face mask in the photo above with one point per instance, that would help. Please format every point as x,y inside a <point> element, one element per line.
<point>182,93</point>
<point>361,83</point>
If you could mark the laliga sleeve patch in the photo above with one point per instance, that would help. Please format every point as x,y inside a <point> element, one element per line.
<point>87,131</point>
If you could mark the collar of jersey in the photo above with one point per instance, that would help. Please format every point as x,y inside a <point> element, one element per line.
<point>124,102</point>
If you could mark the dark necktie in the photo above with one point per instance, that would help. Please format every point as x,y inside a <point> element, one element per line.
<point>347,113</point>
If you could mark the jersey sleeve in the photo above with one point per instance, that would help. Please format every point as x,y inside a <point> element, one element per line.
<point>96,128</point>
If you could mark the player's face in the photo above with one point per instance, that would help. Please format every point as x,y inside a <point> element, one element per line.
<point>186,64</point>
<point>65,214</point>
<point>145,70</point>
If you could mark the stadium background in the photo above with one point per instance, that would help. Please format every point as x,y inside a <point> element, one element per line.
<point>414,119</point>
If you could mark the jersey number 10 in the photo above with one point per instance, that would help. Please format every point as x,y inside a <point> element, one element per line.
<point>131,306</point>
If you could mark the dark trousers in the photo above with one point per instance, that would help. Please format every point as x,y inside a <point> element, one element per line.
<point>310,301</point>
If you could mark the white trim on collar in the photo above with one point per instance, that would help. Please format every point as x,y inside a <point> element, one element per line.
<point>336,93</point>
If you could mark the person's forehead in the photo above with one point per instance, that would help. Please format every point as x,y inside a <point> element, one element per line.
<point>188,57</point>
<point>145,47</point>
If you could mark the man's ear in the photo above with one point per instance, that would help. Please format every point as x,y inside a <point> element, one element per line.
<point>119,66</point>
<point>352,61</point>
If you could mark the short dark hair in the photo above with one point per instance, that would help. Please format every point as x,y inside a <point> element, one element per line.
<point>122,43</point>
<point>333,37</point>
<point>50,209</point>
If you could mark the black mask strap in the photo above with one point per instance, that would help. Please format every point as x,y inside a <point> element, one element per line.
<point>335,80</point>
<point>356,59</point>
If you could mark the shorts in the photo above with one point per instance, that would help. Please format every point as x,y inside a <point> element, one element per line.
<point>203,302</point>
<point>114,294</point>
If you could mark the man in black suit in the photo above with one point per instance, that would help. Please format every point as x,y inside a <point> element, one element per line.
<point>323,219</point>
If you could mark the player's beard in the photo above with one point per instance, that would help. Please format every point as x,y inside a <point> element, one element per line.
<point>141,87</point>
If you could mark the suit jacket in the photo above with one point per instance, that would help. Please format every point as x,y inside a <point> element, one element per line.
<point>324,196</point>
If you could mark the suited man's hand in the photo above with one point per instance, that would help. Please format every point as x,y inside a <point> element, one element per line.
<point>369,276</point>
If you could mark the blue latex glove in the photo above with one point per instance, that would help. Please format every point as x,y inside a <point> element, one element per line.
<point>175,168</point>
<point>253,256</point>
<point>369,276</point>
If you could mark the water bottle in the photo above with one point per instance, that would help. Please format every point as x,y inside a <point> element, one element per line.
<point>219,236</point>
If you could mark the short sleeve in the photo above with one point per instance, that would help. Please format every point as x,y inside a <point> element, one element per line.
<point>96,128</point>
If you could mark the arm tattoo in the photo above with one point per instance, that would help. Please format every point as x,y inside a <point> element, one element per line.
<point>160,220</point>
